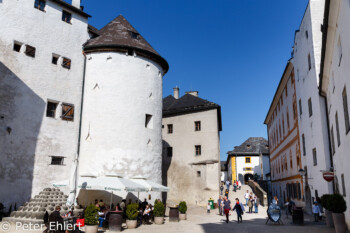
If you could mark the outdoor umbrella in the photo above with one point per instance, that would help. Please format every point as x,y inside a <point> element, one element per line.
<point>73,182</point>
<point>152,186</point>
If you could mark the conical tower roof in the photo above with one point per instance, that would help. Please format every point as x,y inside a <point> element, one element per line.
<point>120,35</point>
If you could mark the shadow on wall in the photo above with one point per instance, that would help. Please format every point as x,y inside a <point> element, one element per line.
<point>166,162</point>
<point>87,197</point>
<point>21,112</point>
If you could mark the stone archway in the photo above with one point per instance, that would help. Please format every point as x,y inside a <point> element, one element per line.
<point>308,201</point>
<point>248,177</point>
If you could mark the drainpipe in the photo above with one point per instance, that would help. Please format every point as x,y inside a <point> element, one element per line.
<point>80,123</point>
<point>324,96</point>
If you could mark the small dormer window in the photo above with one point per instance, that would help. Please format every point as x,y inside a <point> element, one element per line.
<point>135,35</point>
<point>66,17</point>
<point>40,5</point>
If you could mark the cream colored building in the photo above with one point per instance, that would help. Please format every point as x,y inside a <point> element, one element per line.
<point>283,133</point>
<point>191,148</point>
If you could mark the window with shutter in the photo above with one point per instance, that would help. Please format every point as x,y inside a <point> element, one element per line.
<point>67,112</point>
<point>66,63</point>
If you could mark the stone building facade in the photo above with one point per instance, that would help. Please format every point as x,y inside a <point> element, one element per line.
<point>248,161</point>
<point>284,141</point>
<point>53,65</point>
<point>335,86</point>
<point>191,148</point>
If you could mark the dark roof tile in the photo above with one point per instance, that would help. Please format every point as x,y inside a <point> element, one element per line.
<point>253,145</point>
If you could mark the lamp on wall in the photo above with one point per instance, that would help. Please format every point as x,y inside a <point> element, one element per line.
<point>302,172</point>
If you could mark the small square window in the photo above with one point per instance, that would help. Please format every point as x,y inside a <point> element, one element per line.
<point>54,59</point>
<point>198,173</point>
<point>169,151</point>
<point>198,149</point>
<point>56,160</point>
<point>66,17</point>
<point>149,121</point>
<point>30,51</point>
<point>17,47</point>
<point>51,109</point>
<point>66,63</point>
<point>67,112</point>
<point>247,160</point>
<point>170,128</point>
<point>130,52</point>
<point>197,126</point>
<point>40,5</point>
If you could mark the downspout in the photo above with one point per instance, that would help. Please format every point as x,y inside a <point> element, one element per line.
<point>329,136</point>
<point>80,123</point>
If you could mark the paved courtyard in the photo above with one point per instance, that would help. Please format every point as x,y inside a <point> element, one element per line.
<point>198,221</point>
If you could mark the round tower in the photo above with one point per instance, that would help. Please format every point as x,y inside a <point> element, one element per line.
<point>122,110</point>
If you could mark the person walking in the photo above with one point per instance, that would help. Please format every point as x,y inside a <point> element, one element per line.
<point>226,193</point>
<point>246,197</point>
<point>208,208</point>
<point>219,205</point>
<point>239,210</point>
<point>316,211</point>
<point>250,205</point>
<point>221,189</point>
<point>234,186</point>
<point>256,204</point>
<point>227,208</point>
<point>239,185</point>
<point>227,184</point>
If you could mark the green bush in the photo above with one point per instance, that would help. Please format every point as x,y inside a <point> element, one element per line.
<point>132,211</point>
<point>325,200</point>
<point>158,209</point>
<point>183,207</point>
<point>336,203</point>
<point>91,215</point>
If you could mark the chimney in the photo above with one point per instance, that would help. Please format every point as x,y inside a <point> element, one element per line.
<point>176,92</point>
<point>76,3</point>
<point>194,93</point>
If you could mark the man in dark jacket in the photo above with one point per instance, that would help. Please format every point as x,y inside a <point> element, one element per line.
<point>56,221</point>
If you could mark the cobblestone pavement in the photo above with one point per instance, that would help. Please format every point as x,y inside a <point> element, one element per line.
<point>199,221</point>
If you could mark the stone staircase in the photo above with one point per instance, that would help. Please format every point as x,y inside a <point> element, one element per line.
<point>34,210</point>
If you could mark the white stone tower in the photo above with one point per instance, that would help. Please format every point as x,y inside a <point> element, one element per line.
<point>122,111</point>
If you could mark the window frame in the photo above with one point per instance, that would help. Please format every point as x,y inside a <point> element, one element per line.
<point>346,110</point>
<point>15,44</point>
<point>198,150</point>
<point>309,102</point>
<point>37,5</point>
<point>197,126</point>
<point>248,158</point>
<point>337,127</point>
<point>57,164</point>
<point>67,13</point>
<point>50,110</point>
<point>170,128</point>
<point>309,61</point>
<point>314,156</point>
<point>304,145</point>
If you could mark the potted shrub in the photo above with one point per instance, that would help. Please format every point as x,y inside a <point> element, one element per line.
<point>131,214</point>
<point>337,205</point>
<point>158,212</point>
<point>182,210</point>
<point>91,219</point>
<point>328,213</point>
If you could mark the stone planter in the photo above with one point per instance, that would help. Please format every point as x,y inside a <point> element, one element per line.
<point>131,224</point>
<point>339,222</point>
<point>329,218</point>
<point>183,216</point>
<point>91,228</point>
<point>158,220</point>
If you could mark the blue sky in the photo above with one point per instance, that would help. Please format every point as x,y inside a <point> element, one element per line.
<point>232,51</point>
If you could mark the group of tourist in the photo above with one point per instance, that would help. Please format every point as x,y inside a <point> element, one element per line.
<point>237,185</point>
<point>224,205</point>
